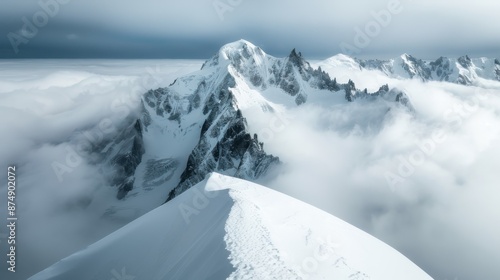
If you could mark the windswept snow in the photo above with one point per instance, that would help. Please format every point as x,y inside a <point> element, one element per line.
<point>227,228</point>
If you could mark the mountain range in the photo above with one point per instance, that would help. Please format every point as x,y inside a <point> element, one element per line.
<point>463,70</point>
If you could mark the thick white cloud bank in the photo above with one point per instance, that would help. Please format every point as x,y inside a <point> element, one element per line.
<point>424,182</point>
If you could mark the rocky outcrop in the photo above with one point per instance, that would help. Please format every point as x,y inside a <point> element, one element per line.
<point>127,160</point>
<point>117,151</point>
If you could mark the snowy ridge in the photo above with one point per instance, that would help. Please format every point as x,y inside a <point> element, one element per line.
<point>227,228</point>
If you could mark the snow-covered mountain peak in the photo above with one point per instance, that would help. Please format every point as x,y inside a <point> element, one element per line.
<point>297,59</point>
<point>240,54</point>
<point>406,56</point>
<point>340,56</point>
<point>342,60</point>
<point>239,46</point>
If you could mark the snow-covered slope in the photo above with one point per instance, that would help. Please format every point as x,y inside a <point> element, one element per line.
<point>463,70</point>
<point>227,228</point>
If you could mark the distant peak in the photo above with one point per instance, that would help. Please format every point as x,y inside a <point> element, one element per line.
<point>295,54</point>
<point>296,58</point>
<point>406,56</point>
<point>236,53</point>
<point>342,56</point>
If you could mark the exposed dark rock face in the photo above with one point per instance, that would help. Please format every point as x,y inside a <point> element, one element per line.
<point>118,153</point>
<point>350,90</point>
<point>416,67</point>
<point>497,68</point>
<point>126,163</point>
<point>224,144</point>
<point>403,99</point>
<point>235,151</point>
<point>443,68</point>
<point>465,61</point>
<point>159,172</point>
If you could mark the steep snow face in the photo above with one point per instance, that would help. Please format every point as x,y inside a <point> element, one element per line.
<point>227,228</point>
<point>342,61</point>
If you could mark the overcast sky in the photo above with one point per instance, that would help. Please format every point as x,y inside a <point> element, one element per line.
<point>197,28</point>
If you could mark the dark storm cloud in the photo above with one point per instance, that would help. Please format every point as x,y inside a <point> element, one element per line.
<point>197,28</point>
